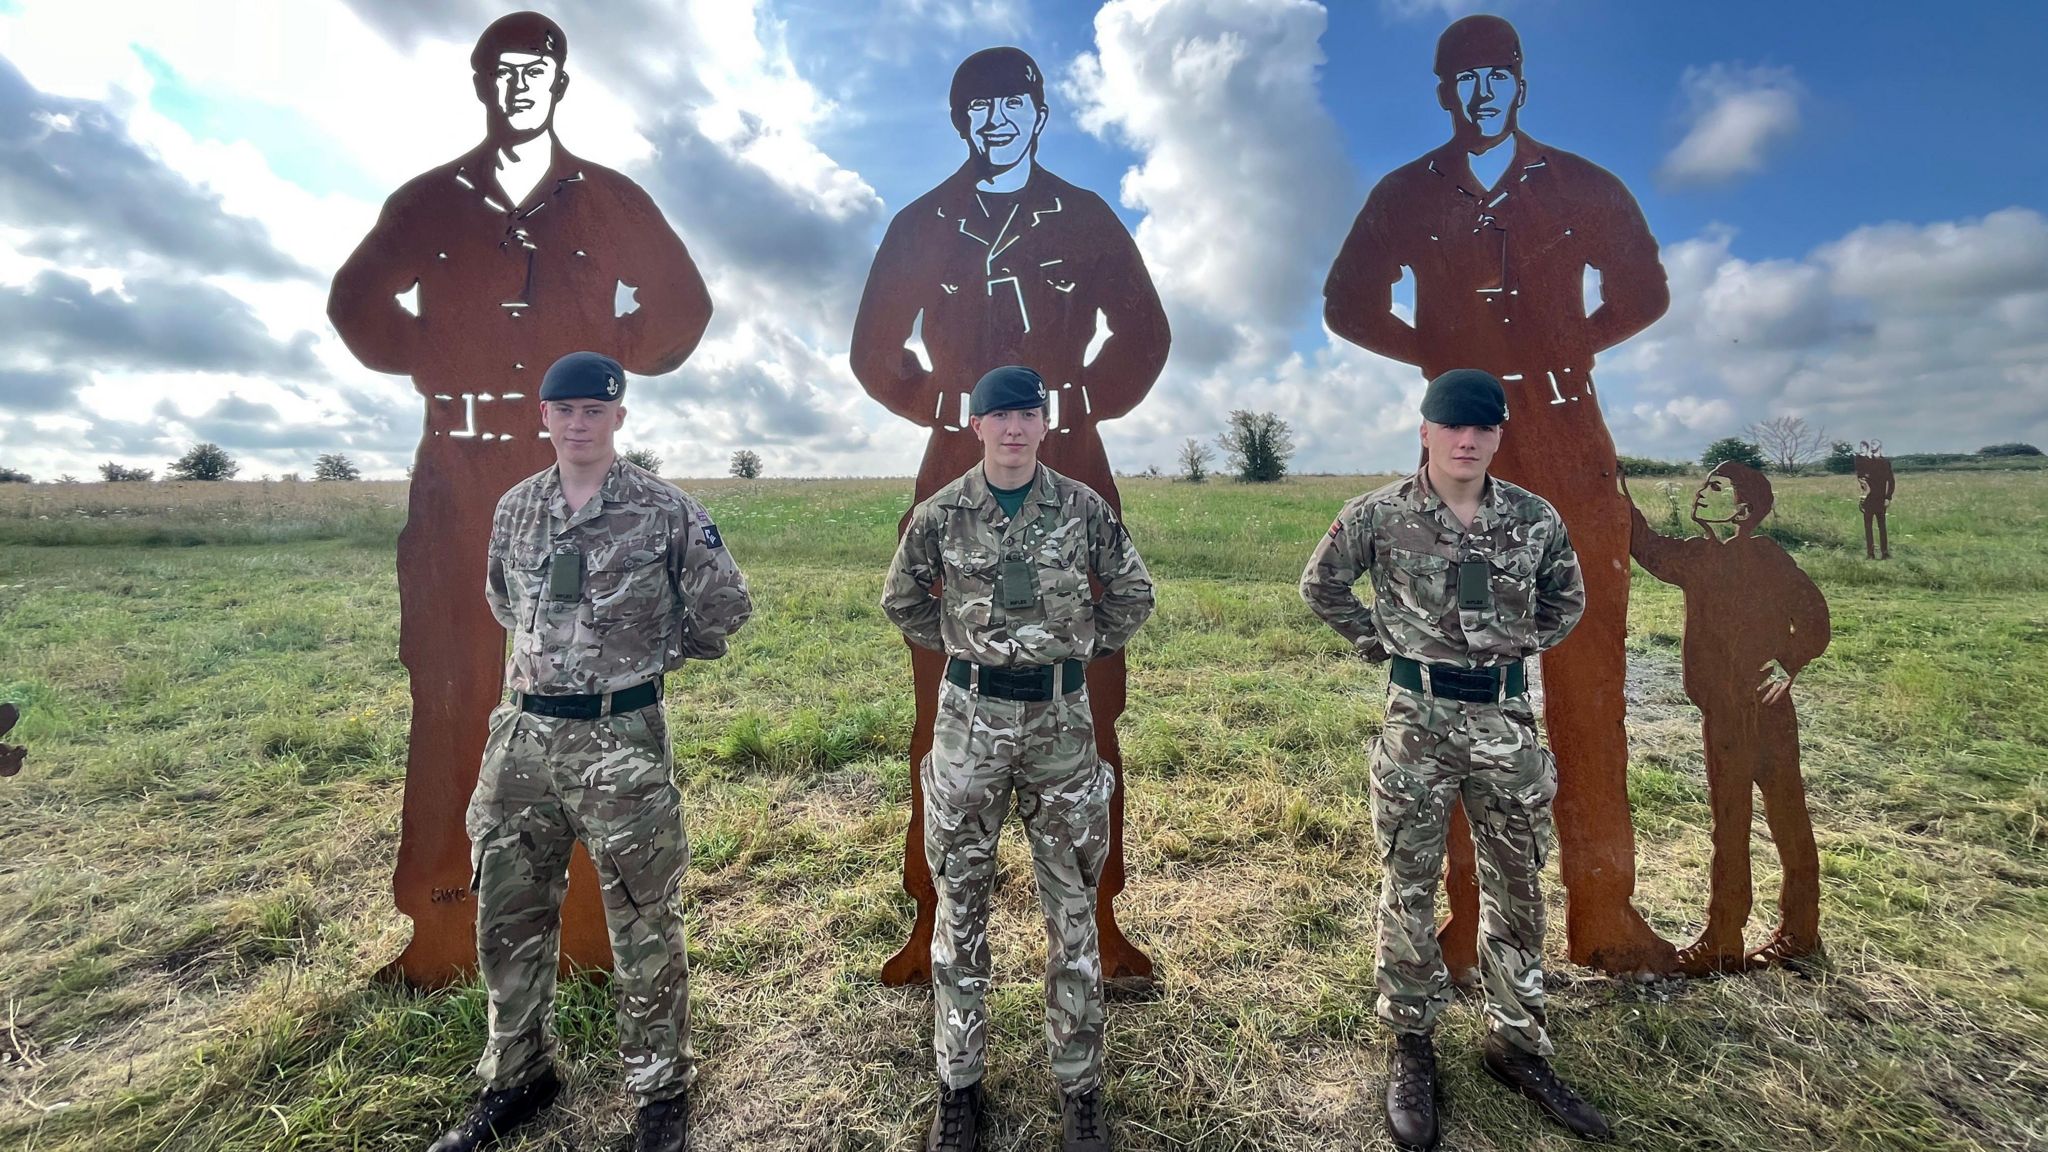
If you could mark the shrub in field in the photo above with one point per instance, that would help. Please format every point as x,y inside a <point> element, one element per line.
<point>1258,445</point>
<point>642,458</point>
<point>1734,448</point>
<point>1841,458</point>
<point>1194,461</point>
<point>14,476</point>
<point>746,464</point>
<point>2008,450</point>
<point>114,473</point>
<point>336,466</point>
<point>204,461</point>
<point>1644,466</point>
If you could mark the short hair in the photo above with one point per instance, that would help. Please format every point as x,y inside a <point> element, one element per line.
<point>1751,487</point>
<point>990,73</point>
<point>528,32</point>
<point>1478,41</point>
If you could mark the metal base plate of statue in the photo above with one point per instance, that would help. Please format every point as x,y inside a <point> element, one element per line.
<point>1498,229</point>
<point>477,276</point>
<point>12,756</point>
<point>1006,263</point>
<point>1753,621</point>
<point>1875,486</point>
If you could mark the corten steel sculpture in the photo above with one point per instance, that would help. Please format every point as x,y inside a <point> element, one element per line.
<point>1006,263</point>
<point>1875,484</point>
<point>1749,610</point>
<point>12,756</point>
<point>519,253</point>
<point>1498,230</point>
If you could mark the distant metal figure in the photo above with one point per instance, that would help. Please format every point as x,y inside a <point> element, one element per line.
<point>1875,483</point>
<point>12,756</point>
<point>1006,263</point>
<point>1749,608</point>
<point>520,253</point>
<point>1499,229</point>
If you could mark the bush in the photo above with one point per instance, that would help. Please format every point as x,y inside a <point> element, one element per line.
<point>643,458</point>
<point>1733,448</point>
<point>114,473</point>
<point>1841,458</point>
<point>14,476</point>
<point>746,465</point>
<point>206,461</point>
<point>335,466</point>
<point>2008,450</point>
<point>1258,445</point>
<point>1194,461</point>
<point>1644,466</point>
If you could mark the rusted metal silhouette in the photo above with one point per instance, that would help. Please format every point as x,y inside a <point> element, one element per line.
<point>1498,230</point>
<point>12,756</point>
<point>1875,484</point>
<point>1006,263</point>
<point>477,276</point>
<point>1751,614</point>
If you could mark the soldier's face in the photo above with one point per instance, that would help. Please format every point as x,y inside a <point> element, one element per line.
<point>1461,452</point>
<point>1010,438</point>
<point>1486,99</point>
<point>582,430</point>
<point>1715,503</point>
<point>1002,128</point>
<point>523,90</point>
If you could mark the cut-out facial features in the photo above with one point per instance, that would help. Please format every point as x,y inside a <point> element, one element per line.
<point>1487,98</point>
<point>524,89</point>
<point>1716,503</point>
<point>1002,129</point>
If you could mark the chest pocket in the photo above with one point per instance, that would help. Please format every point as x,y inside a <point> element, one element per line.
<point>1060,553</point>
<point>970,580</point>
<point>526,581</point>
<point>626,583</point>
<point>1421,582</point>
<point>1513,577</point>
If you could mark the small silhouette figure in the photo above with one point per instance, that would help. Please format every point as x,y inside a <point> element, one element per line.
<point>12,756</point>
<point>513,254</point>
<point>1750,613</point>
<point>1875,482</point>
<point>1006,263</point>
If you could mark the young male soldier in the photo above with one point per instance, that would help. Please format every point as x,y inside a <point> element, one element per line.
<point>607,577</point>
<point>1471,576</point>
<point>1012,546</point>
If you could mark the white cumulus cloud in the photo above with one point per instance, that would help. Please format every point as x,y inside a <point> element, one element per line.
<point>1735,115</point>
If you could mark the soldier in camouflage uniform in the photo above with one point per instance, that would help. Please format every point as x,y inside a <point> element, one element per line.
<point>607,577</point>
<point>1471,576</point>
<point>1012,546</point>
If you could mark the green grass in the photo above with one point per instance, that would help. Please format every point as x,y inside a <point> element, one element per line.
<point>194,888</point>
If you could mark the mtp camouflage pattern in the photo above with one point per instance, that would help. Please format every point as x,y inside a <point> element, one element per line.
<point>658,586</point>
<point>547,783</point>
<point>1405,538</point>
<point>984,752</point>
<point>1434,752</point>
<point>961,538</point>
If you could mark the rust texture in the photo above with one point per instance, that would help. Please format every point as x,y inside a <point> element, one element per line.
<point>1006,263</point>
<point>1875,486</point>
<point>1753,621</point>
<point>1497,230</point>
<point>511,255</point>
<point>12,756</point>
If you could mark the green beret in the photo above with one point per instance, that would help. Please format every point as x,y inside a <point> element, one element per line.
<point>1465,396</point>
<point>584,376</point>
<point>1011,386</point>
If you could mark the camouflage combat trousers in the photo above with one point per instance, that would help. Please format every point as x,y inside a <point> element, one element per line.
<point>545,784</point>
<point>1434,753</point>
<point>984,751</point>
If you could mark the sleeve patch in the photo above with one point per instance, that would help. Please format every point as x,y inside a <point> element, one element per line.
<point>711,536</point>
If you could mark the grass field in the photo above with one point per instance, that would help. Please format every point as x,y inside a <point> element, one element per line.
<point>194,866</point>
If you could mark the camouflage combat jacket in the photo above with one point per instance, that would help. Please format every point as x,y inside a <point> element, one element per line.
<point>1411,544</point>
<point>961,540</point>
<point>658,586</point>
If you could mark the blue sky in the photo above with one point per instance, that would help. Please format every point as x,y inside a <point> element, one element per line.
<point>1854,232</point>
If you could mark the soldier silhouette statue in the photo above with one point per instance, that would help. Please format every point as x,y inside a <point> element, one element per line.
<point>1753,621</point>
<point>512,255</point>
<point>1006,263</point>
<point>1498,230</point>
<point>1874,486</point>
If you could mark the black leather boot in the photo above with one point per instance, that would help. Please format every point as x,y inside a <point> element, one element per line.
<point>664,1125</point>
<point>1530,1074</point>
<point>1413,1091</point>
<point>496,1114</point>
<point>956,1123</point>
<point>1083,1128</point>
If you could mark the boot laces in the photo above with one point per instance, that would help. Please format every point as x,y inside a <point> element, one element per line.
<point>1414,1073</point>
<point>1087,1116</point>
<point>952,1115</point>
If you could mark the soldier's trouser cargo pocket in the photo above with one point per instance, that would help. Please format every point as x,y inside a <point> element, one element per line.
<point>985,753</point>
<point>547,782</point>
